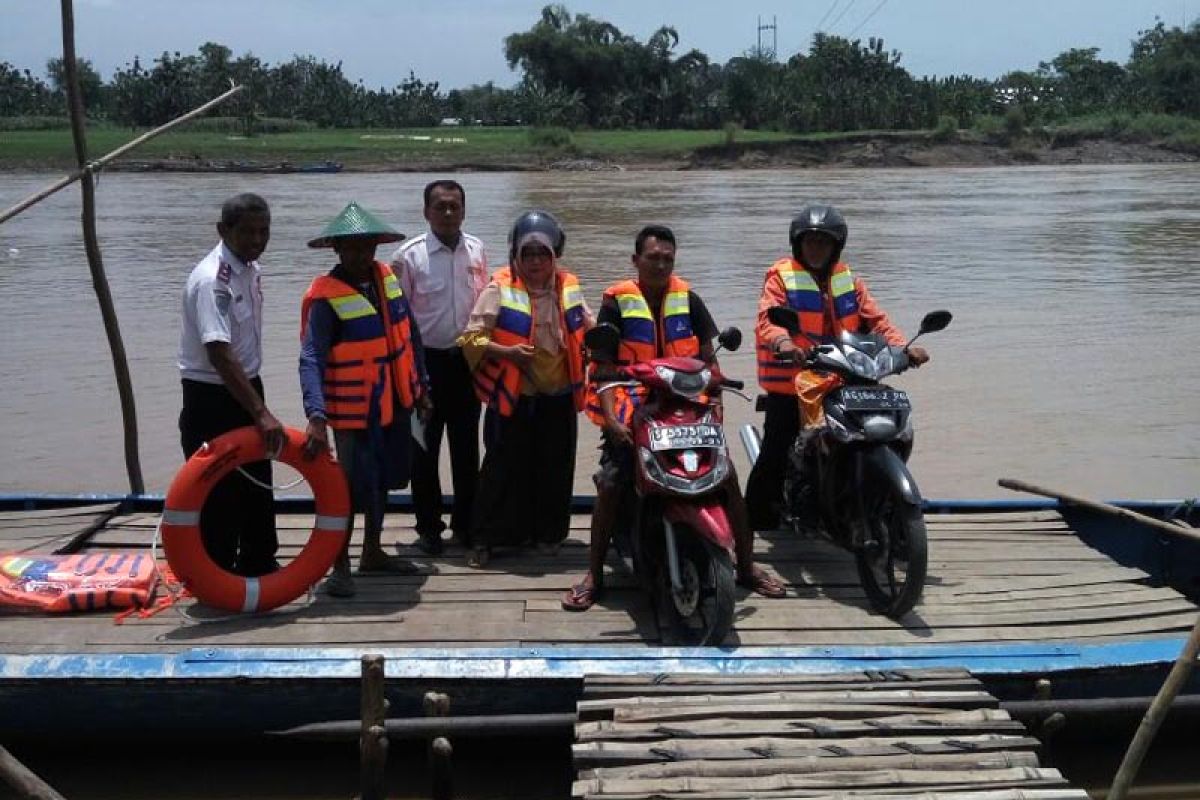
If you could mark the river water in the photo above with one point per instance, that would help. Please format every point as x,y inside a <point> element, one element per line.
<point>1073,359</point>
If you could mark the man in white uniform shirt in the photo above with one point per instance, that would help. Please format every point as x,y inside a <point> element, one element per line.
<point>220,355</point>
<point>442,272</point>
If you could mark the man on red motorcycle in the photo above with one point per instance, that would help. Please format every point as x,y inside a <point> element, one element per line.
<point>829,299</point>
<point>658,316</point>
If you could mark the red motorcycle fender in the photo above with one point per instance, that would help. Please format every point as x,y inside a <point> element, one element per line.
<point>707,517</point>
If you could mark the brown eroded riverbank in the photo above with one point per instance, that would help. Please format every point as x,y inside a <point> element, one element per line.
<point>861,151</point>
<point>522,150</point>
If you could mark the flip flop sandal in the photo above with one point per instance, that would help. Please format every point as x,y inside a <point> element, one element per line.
<point>764,585</point>
<point>580,597</point>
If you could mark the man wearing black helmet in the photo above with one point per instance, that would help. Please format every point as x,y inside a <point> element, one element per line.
<point>828,298</point>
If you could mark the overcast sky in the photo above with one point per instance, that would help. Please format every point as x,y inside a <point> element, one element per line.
<point>460,42</point>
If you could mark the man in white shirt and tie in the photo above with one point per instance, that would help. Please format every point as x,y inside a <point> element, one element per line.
<point>442,272</point>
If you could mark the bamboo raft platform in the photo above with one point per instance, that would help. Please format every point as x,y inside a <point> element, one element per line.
<point>929,734</point>
<point>993,578</point>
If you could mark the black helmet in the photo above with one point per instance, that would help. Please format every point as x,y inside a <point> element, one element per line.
<point>536,221</point>
<point>818,218</point>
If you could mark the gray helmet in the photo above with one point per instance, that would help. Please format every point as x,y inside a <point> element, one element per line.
<point>818,218</point>
<point>536,221</point>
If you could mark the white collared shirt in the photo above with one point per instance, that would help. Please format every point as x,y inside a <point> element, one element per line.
<point>441,284</point>
<point>222,302</point>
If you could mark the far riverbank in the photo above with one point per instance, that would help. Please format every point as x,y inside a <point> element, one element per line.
<point>482,149</point>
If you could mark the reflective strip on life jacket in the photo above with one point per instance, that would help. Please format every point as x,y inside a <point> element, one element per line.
<point>371,360</point>
<point>805,297</point>
<point>497,380</point>
<point>640,340</point>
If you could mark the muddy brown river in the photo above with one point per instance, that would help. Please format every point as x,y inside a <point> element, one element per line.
<point>1073,359</point>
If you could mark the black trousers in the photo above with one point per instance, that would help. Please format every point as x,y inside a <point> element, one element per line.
<point>764,486</point>
<point>528,473</point>
<point>456,413</point>
<point>237,522</point>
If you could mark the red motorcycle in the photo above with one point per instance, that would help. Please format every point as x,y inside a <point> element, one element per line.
<point>675,533</point>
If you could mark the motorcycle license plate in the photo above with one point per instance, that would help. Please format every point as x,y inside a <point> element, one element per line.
<point>875,399</point>
<point>680,437</point>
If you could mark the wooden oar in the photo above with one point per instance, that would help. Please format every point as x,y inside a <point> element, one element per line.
<point>1103,508</point>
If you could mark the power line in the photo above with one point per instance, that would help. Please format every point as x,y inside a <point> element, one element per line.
<point>867,18</point>
<point>849,6</point>
<point>828,11</point>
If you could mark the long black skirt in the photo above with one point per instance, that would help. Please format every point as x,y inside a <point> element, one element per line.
<point>528,473</point>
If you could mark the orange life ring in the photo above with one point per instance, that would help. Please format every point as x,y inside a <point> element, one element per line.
<point>181,523</point>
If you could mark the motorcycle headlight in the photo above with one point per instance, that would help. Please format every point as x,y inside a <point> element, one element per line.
<point>880,427</point>
<point>688,486</point>
<point>884,363</point>
<point>687,384</point>
<point>862,364</point>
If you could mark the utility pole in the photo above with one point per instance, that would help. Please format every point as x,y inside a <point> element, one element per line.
<point>774,29</point>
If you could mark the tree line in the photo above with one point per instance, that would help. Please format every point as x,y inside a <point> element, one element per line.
<point>581,71</point>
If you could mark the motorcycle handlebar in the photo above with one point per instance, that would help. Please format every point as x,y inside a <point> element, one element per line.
<point>809,359</point>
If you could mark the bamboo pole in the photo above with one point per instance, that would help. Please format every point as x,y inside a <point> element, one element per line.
<point>373,744</point>
<point>24,780</point>
<point>1104,508</point>
<point>95,166</point>
<point>112,328</point>
<point>1155,715</point>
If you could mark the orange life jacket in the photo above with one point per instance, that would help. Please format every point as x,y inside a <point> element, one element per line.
<point>644,339</point>
<point>814,307</point>
<point>80,582</point>
<point>374,353</point>
<point>498,380</point>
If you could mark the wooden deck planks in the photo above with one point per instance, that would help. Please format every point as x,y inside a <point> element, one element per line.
<point>753,743</point>
<point>992,577</point>
<point>51,530</point>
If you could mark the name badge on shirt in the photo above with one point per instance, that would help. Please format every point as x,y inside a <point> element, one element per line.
<point>222,297</point>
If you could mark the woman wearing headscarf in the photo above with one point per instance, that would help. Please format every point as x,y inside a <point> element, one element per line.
<point>524,342</point>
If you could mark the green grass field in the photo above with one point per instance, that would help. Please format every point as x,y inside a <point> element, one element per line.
<point>434,148</point>
<point>365,148</point>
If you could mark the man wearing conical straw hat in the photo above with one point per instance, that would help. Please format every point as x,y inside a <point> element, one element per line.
<point>362,374</point>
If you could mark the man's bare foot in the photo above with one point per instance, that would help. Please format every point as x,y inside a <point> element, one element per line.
<point>759,582</point>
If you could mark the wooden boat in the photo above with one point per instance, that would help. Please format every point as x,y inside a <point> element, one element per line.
<point>1019,592</point>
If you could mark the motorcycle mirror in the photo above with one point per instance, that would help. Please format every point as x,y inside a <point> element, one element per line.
<point>935,321</point>
<point>785,318</point>
<point>603,341</point>
<point>730,338</point>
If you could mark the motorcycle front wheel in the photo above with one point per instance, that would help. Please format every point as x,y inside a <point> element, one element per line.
<point>892,565</point>
<point>701,611</point>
